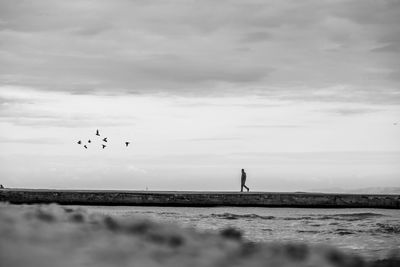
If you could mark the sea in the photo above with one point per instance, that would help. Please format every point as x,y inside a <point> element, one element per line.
<point>372,233</point>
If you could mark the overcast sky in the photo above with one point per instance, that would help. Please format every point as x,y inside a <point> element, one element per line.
<point>302,94</point>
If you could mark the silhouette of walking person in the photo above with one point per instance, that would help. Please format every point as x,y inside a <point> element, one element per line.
<point>244,181</point>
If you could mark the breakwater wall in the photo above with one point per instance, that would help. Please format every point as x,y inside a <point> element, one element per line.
<point>198,199</point>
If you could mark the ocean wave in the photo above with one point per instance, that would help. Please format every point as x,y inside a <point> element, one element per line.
<point>339,231</point>
<point>388,228</point>
<point>308,231</point>
<point>344,232</point>
<point>299,218</point>
<point>232,216</point>
<point>168,213</point>
<point>340,217</point>
<point>351,216</point>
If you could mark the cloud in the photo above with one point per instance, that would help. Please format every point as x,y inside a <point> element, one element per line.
<point>395,75</point>
<point>368,94</point>
<point>217,139</point>
<point>202,48</point>
<point>30,140</point>
<point>62,121</point>
<point>271,126</point>
<point>256,37</point>
<point>393,47</point>
<point>352,111</point>
<point>384,12</point>
<point>28,107</point>
<point>6,101</point>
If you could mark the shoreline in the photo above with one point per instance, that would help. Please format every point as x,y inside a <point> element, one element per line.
<point>198,198</point>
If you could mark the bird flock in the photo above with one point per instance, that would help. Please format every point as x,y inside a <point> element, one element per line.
<point>103,145</point>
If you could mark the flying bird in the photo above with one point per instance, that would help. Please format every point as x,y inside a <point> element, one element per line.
<point>85,146</point>
<point>89,141</point>
<point>105,139</point>
<point>79,142</point>
<point>104,146</point>
<point>97,133</point>
<point>127,143</point>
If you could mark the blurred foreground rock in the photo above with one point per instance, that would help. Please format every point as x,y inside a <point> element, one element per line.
<point>52,235</point>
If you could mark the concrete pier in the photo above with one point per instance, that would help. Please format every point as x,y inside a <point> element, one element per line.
<point>198,199</point>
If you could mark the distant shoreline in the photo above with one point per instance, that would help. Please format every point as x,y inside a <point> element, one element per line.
<point>199,198</point>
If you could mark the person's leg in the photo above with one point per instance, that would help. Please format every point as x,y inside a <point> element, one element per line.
<point>246,188</point>
<point>241,188</point>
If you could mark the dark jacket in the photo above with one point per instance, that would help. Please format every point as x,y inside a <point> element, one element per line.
<point>243,177</point>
